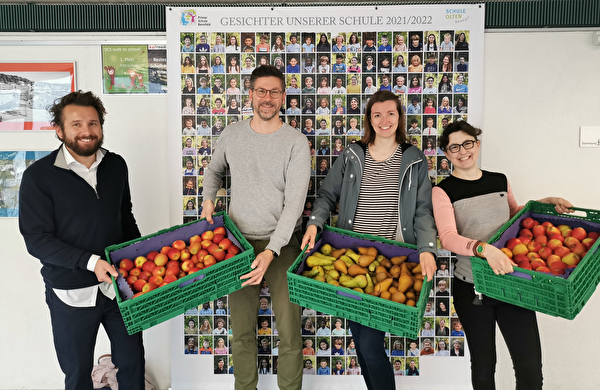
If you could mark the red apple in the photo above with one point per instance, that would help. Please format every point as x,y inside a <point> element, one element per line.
<point>552,259</point>
<point>206,243</point>
<point>179,244</point>
<point>543,240</point>
<point>194,269</point>
<point>578,249</point>
<point>525,265</point>
<point>526,233</point>
<point>571,259</point>
<point>588,242</point>
<point>139,261</point>
<point>566,233</point>
<point>538,230</point>
<point>137,294</point>
<point>172,263</point>
<point>159,271</point>
<point>225,244</point>
<point>148,266</point>
<point>551,230</point>
<point>234,249</point>
<point>528,223</point>
<point>169,278</point>
<point>545,252</point>
<point>564,227</point>
<point>185,254</point>
<point>562,251</point>
<point>152,255</point>
<point>229,255</point>
<point>570,241</point>
<point>558,265</point>
<point>195,238</point>
<point>534,246</point>
<point>165,249</point>
<point>123,272</point>
<point>593,235</point>
<point>212,248</point>
<point>554,243</point>
<point>207,235</point>
<point>139,284</point>
<point>512,242</point>
<point>535,264</point>
<point>556,236</point>
<point>219,254</point>
<point>195,247</point>
<point>144,275</point>
<point>520,258</point>
<point>546,224</point>
<point>182,274</point>
<point>533,256</point>
<point>220,230</point>
<point>209,260</point>
<point>187,265</point>
<point>161,259</point>
<point>126,264</point>
<point>174,254</point>
<point>507,252</point>
<point>525,240</point>
<point>135,272</point>
<point>158,280</point>
<point>543,269</point>
<point>173,270</point>
<point>579,233</point>
<point>149,287</point>
<point>131,279</point>
<point>218,238</point>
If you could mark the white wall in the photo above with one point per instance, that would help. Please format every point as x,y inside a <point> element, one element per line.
<point>540,86</point>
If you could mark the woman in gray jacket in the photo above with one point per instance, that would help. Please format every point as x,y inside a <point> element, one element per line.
<point>383,189</point>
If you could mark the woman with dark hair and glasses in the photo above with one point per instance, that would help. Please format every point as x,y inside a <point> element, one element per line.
<point>382,187</point>
<point>470,206</point>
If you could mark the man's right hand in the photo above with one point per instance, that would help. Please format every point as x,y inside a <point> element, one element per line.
<point>208,209</point>
<point>101,270</point>
<point>309,237</point>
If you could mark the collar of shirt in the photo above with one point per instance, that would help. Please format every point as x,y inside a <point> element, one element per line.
<point>89,175</point>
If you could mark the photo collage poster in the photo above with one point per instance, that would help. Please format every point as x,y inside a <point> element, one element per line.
<point>429,56</point>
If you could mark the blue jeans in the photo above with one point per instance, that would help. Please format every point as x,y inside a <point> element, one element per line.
<point>375,364</point>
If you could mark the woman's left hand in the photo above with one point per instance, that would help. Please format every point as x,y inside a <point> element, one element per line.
<point>560,205</point>
<point>428,265</point>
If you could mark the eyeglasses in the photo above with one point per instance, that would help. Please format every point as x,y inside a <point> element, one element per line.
<point>261,93</point>
<point>467,145</point>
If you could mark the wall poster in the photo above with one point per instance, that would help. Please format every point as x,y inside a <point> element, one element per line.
<point>27,88</point>
<point>134,69</point>
<point>12,166</point>
<point>333,59</point>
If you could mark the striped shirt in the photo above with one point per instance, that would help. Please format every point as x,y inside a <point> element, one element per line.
<point>378,199</point>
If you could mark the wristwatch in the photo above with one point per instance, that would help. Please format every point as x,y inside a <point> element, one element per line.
<point>275,254</point>
<point>480,249</point>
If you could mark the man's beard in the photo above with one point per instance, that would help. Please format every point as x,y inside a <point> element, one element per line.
<point>84,151</point>
<point>263,116</point>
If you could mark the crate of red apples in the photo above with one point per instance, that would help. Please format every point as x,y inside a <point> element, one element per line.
<point>556,256</point>
<point>166,273</point>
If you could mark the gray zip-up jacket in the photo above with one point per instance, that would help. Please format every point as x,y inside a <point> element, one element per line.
<point>416,223</point>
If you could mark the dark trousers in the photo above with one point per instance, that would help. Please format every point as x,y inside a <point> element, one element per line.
<point>375,364</point>
<point>519,329</point>
<point>75,330</point>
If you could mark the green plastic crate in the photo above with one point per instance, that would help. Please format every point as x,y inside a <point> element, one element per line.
<point>175,298</point>
<point>388,316</point>
<point>559,296</point>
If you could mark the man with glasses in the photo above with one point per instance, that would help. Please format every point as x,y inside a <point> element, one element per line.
<point>267,199</point>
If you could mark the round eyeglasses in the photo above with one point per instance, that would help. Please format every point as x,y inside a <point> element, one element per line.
<point>455,148</point>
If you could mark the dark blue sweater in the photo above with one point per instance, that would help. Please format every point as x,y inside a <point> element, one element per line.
<point>64,221</point>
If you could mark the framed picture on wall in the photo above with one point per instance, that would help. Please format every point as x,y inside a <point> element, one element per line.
<point>27,88</point>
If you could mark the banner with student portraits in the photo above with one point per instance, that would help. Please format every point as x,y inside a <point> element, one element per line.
<point>333,60</point>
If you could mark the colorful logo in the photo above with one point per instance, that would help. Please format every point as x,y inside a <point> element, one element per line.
<point>187,17</point>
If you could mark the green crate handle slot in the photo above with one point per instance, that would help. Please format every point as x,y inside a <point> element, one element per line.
<point>348,295</point>
<point>189,282</point>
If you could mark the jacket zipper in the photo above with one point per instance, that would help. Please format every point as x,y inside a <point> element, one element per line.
<point>409,168</point>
